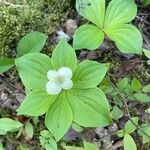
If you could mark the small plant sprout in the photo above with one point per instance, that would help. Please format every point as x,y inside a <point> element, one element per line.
<point>66,91</point>
<point>59,80</point>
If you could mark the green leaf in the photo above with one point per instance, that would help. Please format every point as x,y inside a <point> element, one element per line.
<point>73,148</point>
<point>32,42</point>
<point>146,2</point>
<point>59,117</point>
<point>9,125</point>
<point>147,53</point>
<point>122,84</point>
<point>120,12</point>
<point>93,10</point>
<point>90,107</point>
<point>76,127</point>
<point>116,113</point>
<point>33,70</point>
<point>146,89</point>
<point>29,130</point>
<point>46,134</point>
<point>148,62</point>
<point>89,74</point>
<point>89,146</point>
<point>1,147</point>
<point>64,56</point>
<point>127,37</point>
<point>6,64</point>
<point>36,103</point>
<point>88,37</point>
<point>120,133</point>
<point>129,143</point>
<point>146,129</point>
<point>136,85</point>
<point>52,145</point>
<point>130,127</point>
<point>142,97</point>
<point>2,132</point>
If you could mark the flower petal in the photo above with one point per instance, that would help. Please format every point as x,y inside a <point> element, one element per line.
<point>53,88</point>
<point>67,84</point>
<point>65,72</point>
<point>52,74</point>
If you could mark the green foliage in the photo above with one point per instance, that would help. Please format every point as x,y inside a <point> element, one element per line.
<point>89,8</point>
<point>87,146</point>
<point>9,125</point>
<point>136,85</point>
<point>129,143</point>
<point>32,15</point>
<point>130,126</point>
<point>146,2</point>
<point>146,129</point>
<point>33,67</point>
<point>64,56</point>
<point>32,42</point>
<point>116,113</point>
<point>127,37</point>
<point>29,130</point>
<point>94,37</point>
<point>76,127</point>
<point>84,104</point>
<point>47,141</point>
<point>41,102</point>
<point>132,90</point>
<point>6,64</point>
<point>147,54</point>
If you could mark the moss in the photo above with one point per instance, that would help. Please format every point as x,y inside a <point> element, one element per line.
<point>31,15</point>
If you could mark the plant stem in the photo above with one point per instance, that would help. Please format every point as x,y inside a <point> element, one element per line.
<point>126,107</point>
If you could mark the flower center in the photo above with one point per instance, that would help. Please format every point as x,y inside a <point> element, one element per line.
<point>59,79</point>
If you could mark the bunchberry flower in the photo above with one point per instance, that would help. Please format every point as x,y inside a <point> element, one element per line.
<point>59,80</point>
<point>63,90</point>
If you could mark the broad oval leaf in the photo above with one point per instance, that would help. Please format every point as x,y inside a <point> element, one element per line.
<point>89,74</point>
<point>136,85</point>
<point>6,64</point>
<point>90,107</point>
<point>64,56</point>
<point>9,125</point>
<point>120,12</point>
<point>33,70</point>
<point>93,10</point>
<point>88,37</point>
<point>59,117</point>
<point>90,146</point>
<point>130,126</point>
<point>32,42</point>
<point>129,143</point>
<point>142,97</point>
<point>36,103</point>
<point>29,130</point>
<point>146,89</point>
<point>127,37</point>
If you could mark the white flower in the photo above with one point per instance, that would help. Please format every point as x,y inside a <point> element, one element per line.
<point>59,80</point>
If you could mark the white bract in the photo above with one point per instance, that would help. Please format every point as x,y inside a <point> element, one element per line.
<point>59,80</point>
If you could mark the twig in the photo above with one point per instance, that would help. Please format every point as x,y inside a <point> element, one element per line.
<point>143,20</point>
<point>126,107</point>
